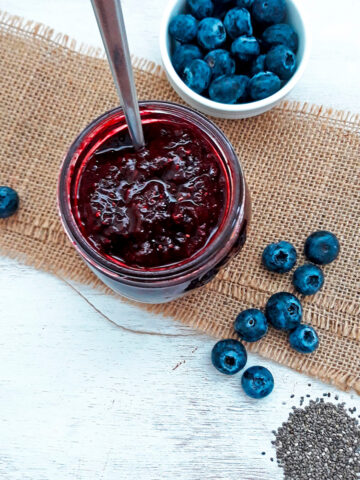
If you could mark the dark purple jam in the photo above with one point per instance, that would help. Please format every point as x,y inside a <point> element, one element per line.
<point>154,207</point>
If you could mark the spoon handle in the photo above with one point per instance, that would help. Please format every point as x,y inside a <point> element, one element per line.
<point>111,24</point>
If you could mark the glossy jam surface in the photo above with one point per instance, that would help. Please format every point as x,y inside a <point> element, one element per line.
<point>155,207</point>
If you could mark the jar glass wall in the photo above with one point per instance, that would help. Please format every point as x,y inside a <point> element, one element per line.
<point>165,282</point>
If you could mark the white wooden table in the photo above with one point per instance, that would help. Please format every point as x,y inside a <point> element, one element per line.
<point>92,388</point>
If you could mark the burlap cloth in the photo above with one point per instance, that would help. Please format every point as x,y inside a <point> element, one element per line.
<point>301,164</point>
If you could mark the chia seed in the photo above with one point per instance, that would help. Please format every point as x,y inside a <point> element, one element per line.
<point>320,441</point>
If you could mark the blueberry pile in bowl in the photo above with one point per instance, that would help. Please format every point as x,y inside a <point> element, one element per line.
<point>235,51</point>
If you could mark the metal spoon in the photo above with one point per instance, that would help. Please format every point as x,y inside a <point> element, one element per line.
<point>111,24</point>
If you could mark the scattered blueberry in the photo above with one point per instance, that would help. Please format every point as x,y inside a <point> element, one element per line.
<point>284,311</point>
<point>237,22</point>
<point>245,48</point>
<point>220,62</point>
<point>280,34</point>
<point>258,65</point>
<point>184,55</point>
<point>264,84</point>
<point>304,339</point>
<point>229,88</point>
<point>281,61</point>
<point>308,279</point>
<point>197,75</point>
<point>211,33</point>
<point>201,8</point>
<point>183,28</point>
<point>279,257</point>
<point>251,325</point>
<point>268,11</point>
<point>244,3</point>
<point>322,247</point>
<point>257,382</point>
<point>229,356</point>
<point>9,202</point>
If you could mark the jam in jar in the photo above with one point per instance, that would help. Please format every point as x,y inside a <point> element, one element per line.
<point>158,222</point>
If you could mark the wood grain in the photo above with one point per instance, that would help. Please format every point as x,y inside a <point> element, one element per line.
<point>92,388</point>
<point>83,398</point>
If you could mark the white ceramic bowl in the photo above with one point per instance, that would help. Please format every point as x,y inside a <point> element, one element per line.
<point>295,17</point>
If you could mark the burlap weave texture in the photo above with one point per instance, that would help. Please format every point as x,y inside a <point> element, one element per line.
<point>302,165</point>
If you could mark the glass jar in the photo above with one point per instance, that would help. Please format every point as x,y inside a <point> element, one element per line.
<point>166,283</point>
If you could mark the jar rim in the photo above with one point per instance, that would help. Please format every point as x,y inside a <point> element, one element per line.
<point>210,255</point>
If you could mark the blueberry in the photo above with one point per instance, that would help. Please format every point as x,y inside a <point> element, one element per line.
<point>244,3</point>
<point>304,339</point>
<point>211,33</point>
<point>281,61</point>
<point>245,48</point>
<point>183,28</point>
<point>201,8</point>
<point>9,202</point>
<point>280,34</point>
<point>258,65</point>
<point>229,88</point>
<point>268,11</point>
<point>184,55</point>
<point>322,247</point>
<point>229,356</point>
<point>257,382</point>
<point>237,22</point>
<point>251,325</point>
<point>197,75</point>
<point>284,311</point>
<point>264,84</point>
<point>220,10</point>
<point>308,279</point>
<point>279,257</point>
<point>220,62</point>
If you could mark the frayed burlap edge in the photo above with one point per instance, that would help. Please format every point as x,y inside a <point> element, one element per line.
<point>40,30</point>
<point>36,29</point>
<point>336,377</point>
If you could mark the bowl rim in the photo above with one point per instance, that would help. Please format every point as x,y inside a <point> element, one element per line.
<point>240,107</point>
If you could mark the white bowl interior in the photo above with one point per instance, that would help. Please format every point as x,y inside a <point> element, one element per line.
<point>294,17</point>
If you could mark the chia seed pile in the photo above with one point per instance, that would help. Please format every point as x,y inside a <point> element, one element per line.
<point>319,442</point>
